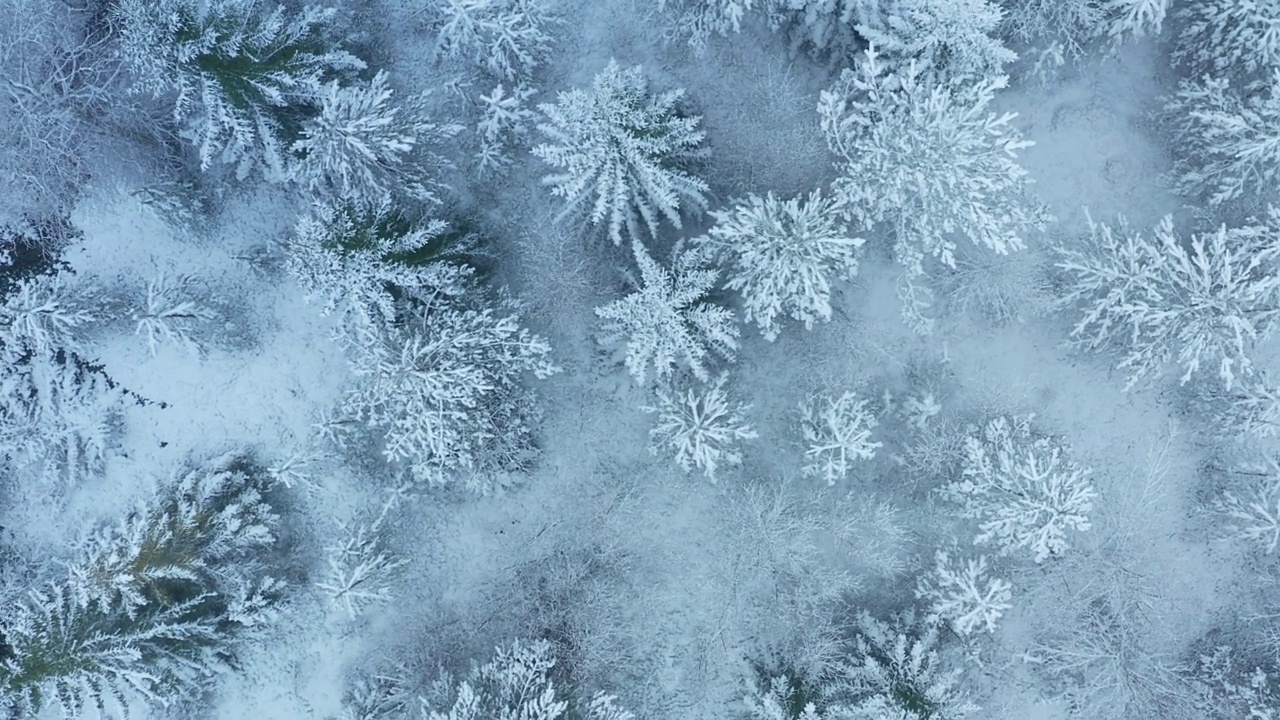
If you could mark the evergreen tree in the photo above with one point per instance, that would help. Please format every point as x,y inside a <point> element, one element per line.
<point>621,153</point>
<point>242,75</point>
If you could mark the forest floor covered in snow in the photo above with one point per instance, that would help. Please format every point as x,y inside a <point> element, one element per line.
<point>655,585</point>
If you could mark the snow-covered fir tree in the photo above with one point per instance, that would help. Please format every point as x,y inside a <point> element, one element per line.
<point>516,685</point>
<point>506,38</point>
<point>927,160</point>
<point>361,145</point>
<point>782,256</point>
<point>666,322</point>
<point>962,594</point>
<point>1228,38</point>
<point>701,426</point>
<point>151,607</point>
<point>1227,139</point>
<point>837,432</point>
<point>1022,488</point>
<point>894,671</point>
<point>949,38</point>
<point>621,153</point>
<point>241,73</point>
<point>357,260</point>
<point>1159,301</point>
<point>443,386</point>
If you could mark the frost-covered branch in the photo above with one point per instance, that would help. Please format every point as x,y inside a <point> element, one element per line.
<point>1252,514</point>
<point>1228,38</point>
<point>504,117</point>
<point>444,386</point>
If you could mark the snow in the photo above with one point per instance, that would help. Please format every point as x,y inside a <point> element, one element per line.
<point>642,574</point>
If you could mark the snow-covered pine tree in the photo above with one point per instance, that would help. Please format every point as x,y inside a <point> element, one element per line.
<point>894,671</point>
<point>1022,489</point>
<point>360,566</point>
<point>516,683</point>
<point>357,260</point>
<point>504,119</point>
<point>928,160</point>
<point>1161,303</point>
<point>444,387</point>
<point>698,20</point>
<point>701,426</point>
<point>1227,138</point>
<point>506,38</point>
<point>242,74</point>
<point>961,593</point>
<point>58,414</point>
<point>946,38</point>
<point>1132,19</point>
<point>361,146</point>
<point>666,321</point>
<point>782,256</point>
<point>621,153</point>
<point>1228,38</point>
<point>837,432</point>
<point>781,700</point>
<point>150,607</point>
<point>1070,24</point>
<point>46,313</point>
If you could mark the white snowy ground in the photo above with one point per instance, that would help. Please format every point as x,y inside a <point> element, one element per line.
<point>666,591</point>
